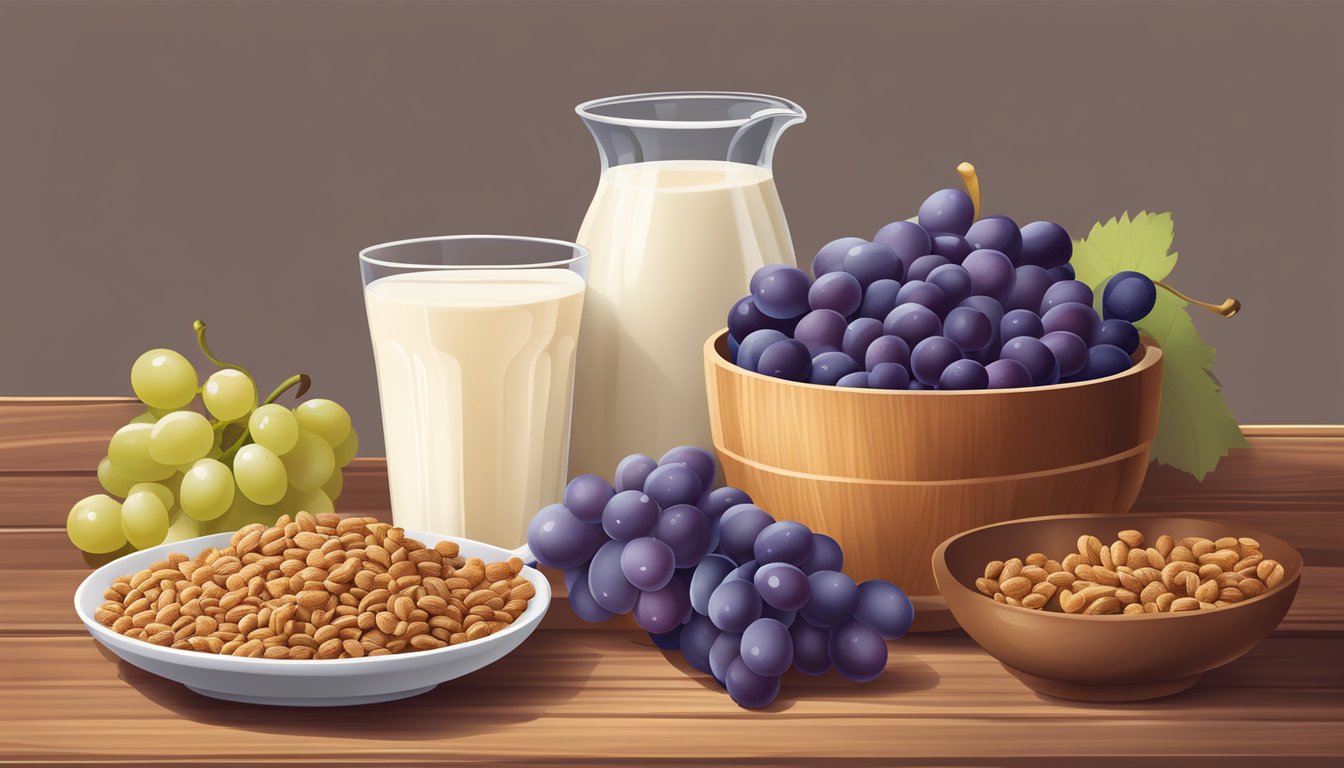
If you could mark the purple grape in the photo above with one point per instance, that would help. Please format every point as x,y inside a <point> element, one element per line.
<point>829,367</point>
<point>767,647</point>
<point>697,637</point>
<point>632,471</point>
<point>855,380</point>
<point>560,540</point>
<point>748,689</point>
<point>1080,319</point>
<point>714,503</point>
<point>955,249</point>
<point>630,515</point>
<point>889,376</point>
<point>1062,272</point>
<point>1030,283</point>
<point>998,233</point>
<point>826,555</point>
<point>990,307</point>
<point>782,293</point>
<point>839,291</point>
<point>1045,244</point>
<point>954,280</point>
<point>858,651</point>
<point>871,262</point>
<point>746,318</point>
<point>834,598</point>
<point>931,356</point>
<point>885,607</point>
<point>879,299</point>
<point>1105,360</point>
<point>947,211</point>
<point>888,349</point>
<point>831,257</point>
<point>782,586</point>
<point>924,266</point>
<point>586,496</point>
<point>859,335</point>
<point>738,529</point>
<point>1064,292</point>
<point>607,582</point>
<point>1007,374</point>
<point>1118,333</point>
<point>583,604</point>
<point>1128,296</point>
<point>907,239</point>
<point>786,541</point>
<point>698,459</point>
<point>964,374</point>
<point>744,572</point>
<point>1020,322</point>
<point>725,649</point>
<point>821,330</point>
<point>968,328</point>
<point>648,564</point>
<point>734,605</point>
<point>575,575</point>
<point>811,648</point>
<point>673,484</point>
<point>709,574</point>
<point>661,610</point>
<point>783,617</point>
<point>754,283</point>
<point>912,323</point>
<point>668,641</point>
<point>991,273</point>
<point>1039,360</point>
<point>685,529</point>
<point>924,294</point>
<point>1069,350</point>
<point>788,359</point>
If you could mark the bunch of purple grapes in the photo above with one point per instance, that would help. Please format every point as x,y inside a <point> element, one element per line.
<point>744,597</point>
<point>950,302</point>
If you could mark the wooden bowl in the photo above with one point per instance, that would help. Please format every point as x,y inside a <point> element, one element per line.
<point>1106,658</point>
<point>892,473</point>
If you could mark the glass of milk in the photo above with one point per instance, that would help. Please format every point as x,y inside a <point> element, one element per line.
<point>474,338</point>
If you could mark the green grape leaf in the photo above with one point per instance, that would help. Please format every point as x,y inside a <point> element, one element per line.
<point>1195,428</point>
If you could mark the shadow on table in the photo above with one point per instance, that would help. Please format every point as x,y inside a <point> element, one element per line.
<point>506,692</point>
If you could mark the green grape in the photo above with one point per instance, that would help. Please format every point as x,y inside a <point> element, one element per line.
<point>160,490</point>
<point>229,394</point>
<point>94,524</point>
<point>112,482</point>
<point>345,452</point>
<point>243,511</point>
<point>260,474</point>
<point>181,438</point>
<point>310,463</point>
<point>274,427</point>
<point>148,417</point>
<point>129,454</point>
<point>163,378</point>
<point>144,519</point>
<point>207,490</point>
<point>333,486</point>
<point>324,418</point>
<point>184,528</point>
<point>314,502</point>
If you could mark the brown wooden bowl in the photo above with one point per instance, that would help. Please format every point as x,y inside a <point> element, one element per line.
<point>892,473</point>
<point>1105,658</point>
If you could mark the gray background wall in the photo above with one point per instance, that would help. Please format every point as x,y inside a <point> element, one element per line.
<point>162,161</point>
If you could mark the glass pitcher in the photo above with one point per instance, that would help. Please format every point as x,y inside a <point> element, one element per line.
<point>685,211</point>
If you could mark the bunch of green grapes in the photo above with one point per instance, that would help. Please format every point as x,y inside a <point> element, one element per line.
<point>180,473</point>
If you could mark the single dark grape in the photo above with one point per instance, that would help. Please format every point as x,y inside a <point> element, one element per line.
<point>1066,291</point>
<point>821,330</point>
<point>924,266</point>
<point>560,540</point>
<point>924,294</point>
<point>708,575</point>
<point>767,647</point>
<point>826,555</point>
<point>1105,360</point>
<point>782,293</point>
<point>1007,374</point>
<point>888,349</point>
<point>907,239</point>
<point>744,572</point>
<point>954,280</point>
<point>630,515</point>
<point>968,328</point>
<point>1020,322</point>
<point>839,291</point>
<point>672,484</point>
<point>885,607</point>
<point>695,457</point>
<point>661,610</point>
<point>1073,317</point>
<point>1128,296</point>
<point>607,582</point>
<point>991,273</point>
<point>1069,349</point>
<point>648,564</point>
<point>947,211</point>
<point>586,496</point>
<point>1118,333</point>
<point>871,262</point>
<point>754,283</point>
<point>831,257</point>
<point>685,529</point>
<point>632,471</point>
<point>745,318</point>
<point>991,307</point>
<point>879,299</point>
<point>834,598</point>
<point>783,617</point>
<point>829,367</point>
<point>583,604</point>
<point>912,323</point>
<point>855,380</point>
<point>1045,244</point>
<point>859,334</point>
<point>785,541</point>
<point>931,356</point>
<point>1062,272</point>
<point>738,529</point>
<point>714,503</point>
<point>697,637</point>
<point>788,359</point>
<point>998,233</point>
<point>858,651</point>
<point>889,376</point>
<point>1030,283</point>
<point>1039,360</point>
<point>811,648</point>
<point>748,689</point>
<point>782,585</point>
<point>963,374</point>
<point>734,605</point>
<point>955,249</point>
<point>668,641</point>
<point>725,649</point>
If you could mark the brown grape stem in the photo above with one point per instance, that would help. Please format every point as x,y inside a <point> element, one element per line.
<point>1228,308</point>
<point>199,327</point>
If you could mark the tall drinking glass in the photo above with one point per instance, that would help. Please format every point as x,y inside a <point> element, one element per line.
<point>473,340</point>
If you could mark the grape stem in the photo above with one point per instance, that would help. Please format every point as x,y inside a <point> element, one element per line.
<point>199,327</point>
<point>1228,308</point>
<point>303,381</point>
<point>972,183</point>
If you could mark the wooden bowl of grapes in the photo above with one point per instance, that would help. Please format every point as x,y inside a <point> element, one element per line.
<point>891,473</point>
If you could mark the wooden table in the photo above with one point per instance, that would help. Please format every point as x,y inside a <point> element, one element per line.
<point>582,695</point>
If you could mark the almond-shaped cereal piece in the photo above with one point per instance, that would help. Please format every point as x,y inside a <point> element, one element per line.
<point>1131,537</point>
<point>1016,587</point>
<point>1011,568</point>
<point>1133,608</point>
<point>1102,606</point>
<point>987,586</point>
<point>1034,601</point>
<point>1182,604</point>
<point>1270,572</point>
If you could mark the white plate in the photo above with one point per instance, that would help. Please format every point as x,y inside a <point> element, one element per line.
<point>304,682</point>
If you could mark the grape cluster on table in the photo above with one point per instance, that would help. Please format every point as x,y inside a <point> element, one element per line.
<point>744,597</point>
<point>947,302</point>
<point>179,474</point>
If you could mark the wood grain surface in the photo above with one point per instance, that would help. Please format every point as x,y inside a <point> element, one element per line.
<point>570,697</point>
